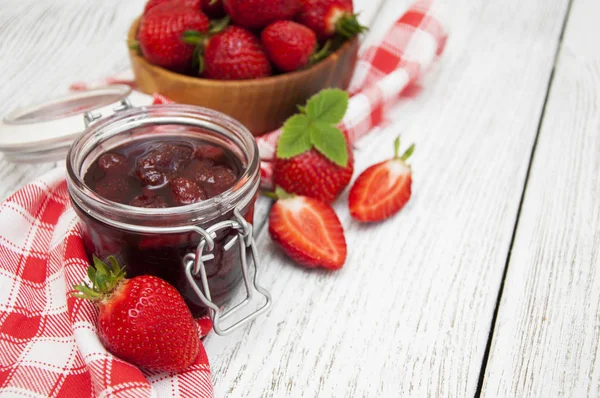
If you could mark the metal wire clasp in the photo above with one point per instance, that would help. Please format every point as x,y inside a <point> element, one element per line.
<point>194,266</point>
<point>90,116</point>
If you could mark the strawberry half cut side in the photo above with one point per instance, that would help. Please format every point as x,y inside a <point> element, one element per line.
<point>383,189</point>
<point>309,232</point>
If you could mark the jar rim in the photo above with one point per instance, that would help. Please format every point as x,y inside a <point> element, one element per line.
<point>239,195</point>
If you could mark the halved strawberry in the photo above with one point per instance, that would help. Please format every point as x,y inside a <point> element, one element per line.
<point>382,189</point>
<point>308,231</point>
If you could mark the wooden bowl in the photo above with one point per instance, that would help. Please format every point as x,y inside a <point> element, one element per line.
<point>262,105</point>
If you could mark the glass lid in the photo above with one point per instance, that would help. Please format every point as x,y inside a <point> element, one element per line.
<point>44,132</point>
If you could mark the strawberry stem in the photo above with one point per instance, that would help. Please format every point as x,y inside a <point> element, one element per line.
<point>134,45</point>
<point>104,279</point>
<point>397,148</point>
<point>321,53</point>
<point>348,26</point>
<point>218,25</point>
<point>279,193</point>
<point>193,37</point>
<point>407,153</point>
<point>198,60</point>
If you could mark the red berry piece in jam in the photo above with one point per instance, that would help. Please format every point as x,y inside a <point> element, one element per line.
<point>180,155</point>
<point>221,179</point>
<point>149,202</point>
<point>199,170</point>
<point>209,152</point>
<point>151,176</point>
<point>114,187</point>
<point>112,163</point>
<point>155,167</point>
<point>186,192</point>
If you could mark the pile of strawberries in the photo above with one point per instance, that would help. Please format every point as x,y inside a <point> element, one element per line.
<point>145,321</point>
<point>314,165</point>
<point>242,39</point>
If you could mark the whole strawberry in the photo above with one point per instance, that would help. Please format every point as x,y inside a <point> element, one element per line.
<point>188,3</point>
<point>288,44</point>
<point>314,158</point>
<point>256,14</point>
<point>329,17</point>
<point>235,54</point>
<point>142,320</point>
<point>160,35</point>
<point>308,231</point>
<point>383,189</point>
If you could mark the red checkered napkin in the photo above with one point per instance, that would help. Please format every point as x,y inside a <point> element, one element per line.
<point>383,72</point>
<point>48,341</point>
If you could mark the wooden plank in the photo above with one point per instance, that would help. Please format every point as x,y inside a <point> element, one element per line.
<point>46,46</point>
<point>547,332</point>
<point>410,313</point>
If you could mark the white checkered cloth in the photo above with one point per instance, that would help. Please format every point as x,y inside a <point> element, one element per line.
<point>48,341</point>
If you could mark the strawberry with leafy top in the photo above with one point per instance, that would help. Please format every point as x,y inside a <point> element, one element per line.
<point>383,189</point>
<point>188,3</point>
<point>308,231</point>
<point>314,158</point>
<point>330,17</point>
<point>289,45</point>
<point>160,36</point>
<point>256,14</point>
<point>234,54</point>
<point>142,320</point>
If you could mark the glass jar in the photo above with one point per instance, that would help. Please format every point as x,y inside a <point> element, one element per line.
<point>203,249</point>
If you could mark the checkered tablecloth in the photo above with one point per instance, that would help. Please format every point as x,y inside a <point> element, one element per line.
<point>48,341</point>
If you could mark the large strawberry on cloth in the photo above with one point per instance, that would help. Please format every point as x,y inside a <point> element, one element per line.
<point>49,344</point>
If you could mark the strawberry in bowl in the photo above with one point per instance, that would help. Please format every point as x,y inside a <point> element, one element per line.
<point>256,63</point>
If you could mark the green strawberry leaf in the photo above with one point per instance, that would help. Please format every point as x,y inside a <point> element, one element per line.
<point>218,25</point>
<point>327,106</point>
<point>330,141</point>
<point>282,194</point>
<point>295,138</point>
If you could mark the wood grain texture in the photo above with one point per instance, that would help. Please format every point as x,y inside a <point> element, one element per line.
<point>548,327</point>
<point>46,46</point>
<point>410,313</point>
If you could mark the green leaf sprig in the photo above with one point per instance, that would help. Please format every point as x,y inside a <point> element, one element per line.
<point>315,126</point>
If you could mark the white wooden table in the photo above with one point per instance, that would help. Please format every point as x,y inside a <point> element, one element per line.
<point>486,284</point>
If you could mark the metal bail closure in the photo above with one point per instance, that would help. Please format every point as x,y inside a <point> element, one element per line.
<point>194,266</point>
<point>91,116</point>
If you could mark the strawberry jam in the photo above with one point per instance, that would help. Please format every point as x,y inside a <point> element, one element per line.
<point>157,173</point>
<point>154,174</point>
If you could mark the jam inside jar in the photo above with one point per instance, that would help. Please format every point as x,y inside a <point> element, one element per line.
<point>152,184</point>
